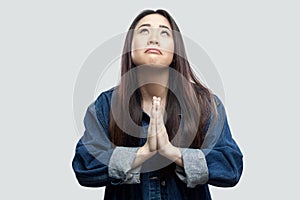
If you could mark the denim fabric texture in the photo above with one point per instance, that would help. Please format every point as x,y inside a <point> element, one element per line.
<point>98,163</point>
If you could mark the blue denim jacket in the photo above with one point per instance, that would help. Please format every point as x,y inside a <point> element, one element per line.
<point>98,163</point>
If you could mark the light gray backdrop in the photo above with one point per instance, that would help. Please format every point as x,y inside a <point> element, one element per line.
<point>43,45</point>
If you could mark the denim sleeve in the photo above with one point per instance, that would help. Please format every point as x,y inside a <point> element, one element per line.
<point>195,169</point>
<point>219,162</point>
<point>94,151</point>
<point>223,156</point>
<point>120,165</point>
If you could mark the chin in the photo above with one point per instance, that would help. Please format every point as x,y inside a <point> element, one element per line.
<point>155,64</point>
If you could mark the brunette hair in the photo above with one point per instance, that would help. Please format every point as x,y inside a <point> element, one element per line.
<point>194,128</point>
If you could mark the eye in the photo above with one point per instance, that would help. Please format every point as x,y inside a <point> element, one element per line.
<point>144,31</point>
<point>164,33</point>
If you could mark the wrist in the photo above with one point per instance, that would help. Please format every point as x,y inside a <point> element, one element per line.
<point>142,155</point>
<point>172,153</point>
<point>145,150</point>
<point>167,150</point>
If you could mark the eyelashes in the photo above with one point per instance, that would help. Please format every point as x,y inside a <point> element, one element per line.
<point>165,33</point>
<point>146,31</point>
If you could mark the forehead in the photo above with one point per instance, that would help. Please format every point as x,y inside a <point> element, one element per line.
<point>155,20</point>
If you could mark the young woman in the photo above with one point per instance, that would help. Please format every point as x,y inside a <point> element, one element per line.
<point>160,133</point>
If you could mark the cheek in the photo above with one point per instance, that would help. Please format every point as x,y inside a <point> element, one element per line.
<point>137,49</point>
<point>134,46</point>
<point>169,51</point>
<point>136,52</point>
<point>138,43</point>
<point>171,47</point>
<point>168,46</point>
<point>169,58</point>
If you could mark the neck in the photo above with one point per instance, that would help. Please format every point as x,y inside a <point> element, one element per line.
<point>150,90</point>
<point>154,82</point>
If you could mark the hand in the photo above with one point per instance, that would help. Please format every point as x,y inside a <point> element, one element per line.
<point>152,129</point>
<point>157,134</point>
<point>151,137</point>
<point>162,137</point>
<point>158,139</point>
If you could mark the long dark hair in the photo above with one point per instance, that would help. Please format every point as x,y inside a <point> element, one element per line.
<point>193,128</point>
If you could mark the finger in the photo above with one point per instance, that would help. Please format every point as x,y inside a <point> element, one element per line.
<point>152,125</point>
<point>158,100</point>
<point>151,139</point>
<point>155,103</point>
<point>162,139</point>
<point>154,98</point>
<point>153,109</point>
<point>160,117</point>
<point>152,128</point>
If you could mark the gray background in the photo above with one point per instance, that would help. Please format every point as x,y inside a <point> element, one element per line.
<point>254,45</point>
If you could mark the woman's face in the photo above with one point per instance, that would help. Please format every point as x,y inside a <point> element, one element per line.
<point>152,41</point>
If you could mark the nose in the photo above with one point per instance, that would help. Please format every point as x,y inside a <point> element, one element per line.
<point>153,40</point>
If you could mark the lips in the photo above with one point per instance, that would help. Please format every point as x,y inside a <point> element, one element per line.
<point>153,50</point>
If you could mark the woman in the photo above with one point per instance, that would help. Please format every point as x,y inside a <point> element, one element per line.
<point>159,134</point>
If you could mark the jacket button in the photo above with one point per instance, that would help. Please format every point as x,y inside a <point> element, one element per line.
<point>163,183</point>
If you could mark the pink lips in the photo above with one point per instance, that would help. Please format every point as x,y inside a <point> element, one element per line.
<point>153,50</point>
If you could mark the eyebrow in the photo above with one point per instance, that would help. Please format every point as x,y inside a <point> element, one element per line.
<point>149,25</point>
